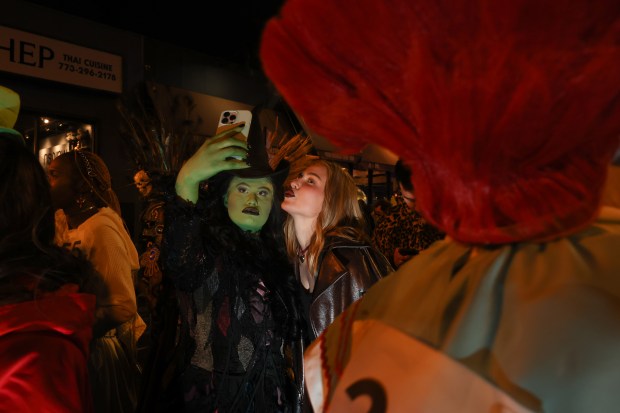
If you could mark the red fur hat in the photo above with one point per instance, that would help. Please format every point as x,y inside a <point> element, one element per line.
<point>508,112</point>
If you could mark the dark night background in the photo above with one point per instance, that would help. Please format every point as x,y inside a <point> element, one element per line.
<point>225,29</point>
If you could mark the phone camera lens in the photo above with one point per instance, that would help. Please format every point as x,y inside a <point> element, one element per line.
<point>226,114</point>
<point>232,118</point>
<point>225,120</point>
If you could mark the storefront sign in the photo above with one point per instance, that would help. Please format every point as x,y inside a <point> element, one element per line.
<point>27,54</point>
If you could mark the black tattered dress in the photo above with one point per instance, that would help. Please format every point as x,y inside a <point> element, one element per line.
<point>231,319</point>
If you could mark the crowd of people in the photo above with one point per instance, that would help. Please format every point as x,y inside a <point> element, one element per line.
<point>47,307</point>
<point>489,282</point>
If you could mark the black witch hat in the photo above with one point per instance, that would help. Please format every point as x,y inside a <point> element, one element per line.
<point>259,150</point>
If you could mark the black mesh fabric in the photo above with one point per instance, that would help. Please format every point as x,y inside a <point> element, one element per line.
<point>232,317</point>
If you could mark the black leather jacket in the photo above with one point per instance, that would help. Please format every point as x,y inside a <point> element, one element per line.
<point>347,269</point>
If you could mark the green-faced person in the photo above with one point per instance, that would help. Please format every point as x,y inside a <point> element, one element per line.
<point>249,202</point>
<point>223,248</point>
<point>249,197</point>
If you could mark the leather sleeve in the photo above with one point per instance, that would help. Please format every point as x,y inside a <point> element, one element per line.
<point>346,273</point>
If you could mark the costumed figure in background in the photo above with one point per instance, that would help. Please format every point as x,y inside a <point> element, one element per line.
<point>508,114</point>
<point>224,247</point>
<point>152,219</point>
<point>160,136</point>
<point>404,232</point>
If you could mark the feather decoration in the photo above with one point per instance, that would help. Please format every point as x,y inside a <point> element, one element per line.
<point>507,112</point>
<point>294,151</point>
<point>158,128</point>
<point>279,144</point>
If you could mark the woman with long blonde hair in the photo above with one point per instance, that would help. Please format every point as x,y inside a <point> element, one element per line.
<point>326,240</point>
<point>325,237</point>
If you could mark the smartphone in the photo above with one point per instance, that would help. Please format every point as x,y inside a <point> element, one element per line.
<point>233,117</point>
<point>229,118</point>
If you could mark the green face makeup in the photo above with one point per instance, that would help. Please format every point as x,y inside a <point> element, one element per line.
<point>249,202</point>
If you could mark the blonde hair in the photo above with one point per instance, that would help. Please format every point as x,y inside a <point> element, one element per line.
<point>340,214</point>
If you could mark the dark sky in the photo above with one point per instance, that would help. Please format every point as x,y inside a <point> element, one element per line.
<point>224,29</point>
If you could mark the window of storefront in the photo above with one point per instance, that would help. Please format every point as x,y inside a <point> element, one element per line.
<point>49,135</point>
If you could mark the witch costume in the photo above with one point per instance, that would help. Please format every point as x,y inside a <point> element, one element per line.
<point>233,298</point>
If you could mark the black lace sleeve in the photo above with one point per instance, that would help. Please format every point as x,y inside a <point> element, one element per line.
<point>183,251</point>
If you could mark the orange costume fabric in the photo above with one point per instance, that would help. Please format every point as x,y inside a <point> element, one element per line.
<point>44,349</point>
<point>508,114</point>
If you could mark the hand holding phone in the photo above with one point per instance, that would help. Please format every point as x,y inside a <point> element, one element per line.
<point>206,161</point>
<point>230,118</point>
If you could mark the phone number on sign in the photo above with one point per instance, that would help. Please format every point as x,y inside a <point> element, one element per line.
<point>87,71</point>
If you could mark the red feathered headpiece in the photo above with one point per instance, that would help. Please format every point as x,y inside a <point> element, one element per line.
<point>507,111</point>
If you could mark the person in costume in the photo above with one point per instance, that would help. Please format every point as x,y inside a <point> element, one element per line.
<point>403,232</point>
<point>152,221</point>
<point>46,313</point>
<point>159,131</point>
<point>89,223</point>
<point>223,246</point>
<point>508,114</point>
